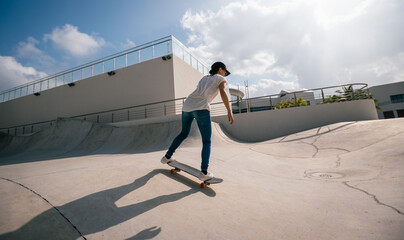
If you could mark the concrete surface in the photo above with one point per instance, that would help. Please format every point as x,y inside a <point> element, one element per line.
<point>79,180</point>
<point>276,123</point>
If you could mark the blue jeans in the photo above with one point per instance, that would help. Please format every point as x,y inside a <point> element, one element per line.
<point>205,127</point>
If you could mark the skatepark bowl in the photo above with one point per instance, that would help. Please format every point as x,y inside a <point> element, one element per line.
<point>82,180</point>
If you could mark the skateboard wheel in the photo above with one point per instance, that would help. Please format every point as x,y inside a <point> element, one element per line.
<point>172,171</point>
<point>202,185</point>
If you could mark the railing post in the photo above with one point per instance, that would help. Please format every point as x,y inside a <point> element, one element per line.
<point>294,94</point>
<point>270,101</point>
<point>128,115</point>
<point>168,47</point>
<point>322,95</point>
<point>165,110</point>
<point>353,93</point>
<point>145,112</point>
<point>112,118</point>
<point>98,118</point>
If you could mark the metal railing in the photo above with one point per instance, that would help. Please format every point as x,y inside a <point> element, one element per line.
<point>313,96</point>
<point>174,107</point>
<point>183,52</point>
<point>158,48</point>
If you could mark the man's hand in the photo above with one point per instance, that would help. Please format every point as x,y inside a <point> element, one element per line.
<point>231,119</point>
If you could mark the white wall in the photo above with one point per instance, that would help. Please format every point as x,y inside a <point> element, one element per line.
<point>186,78</point>
<point>383,92</point>
<point>143,83</point>
<point>265,125</point>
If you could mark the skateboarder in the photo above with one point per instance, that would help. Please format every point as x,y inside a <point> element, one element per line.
<point>197,105</point>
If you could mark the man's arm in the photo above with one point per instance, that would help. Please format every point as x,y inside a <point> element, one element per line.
<point>225,98</point>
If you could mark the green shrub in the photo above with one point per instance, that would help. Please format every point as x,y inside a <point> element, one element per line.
<point>291,103</point>
<point>349,94</point>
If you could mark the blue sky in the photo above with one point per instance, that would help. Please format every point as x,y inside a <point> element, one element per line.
<point>274,44</point>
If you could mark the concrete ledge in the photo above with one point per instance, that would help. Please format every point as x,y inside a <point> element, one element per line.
<point>265,125</point>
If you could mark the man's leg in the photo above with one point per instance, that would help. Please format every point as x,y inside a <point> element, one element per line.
<point>187,118</point>
<point>205,127</point>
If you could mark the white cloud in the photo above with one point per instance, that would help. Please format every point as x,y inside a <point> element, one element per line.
<point>386,66</point>
<point>14,73</point>
<point>312,43</point>
<point>259,63</point>
<point>333,13</point>
<point>381,71</point>
<point>127,45</point>
<point>37,57</point>
<point>264,87</point>
<point>76,43</point>
<point>28,48</point>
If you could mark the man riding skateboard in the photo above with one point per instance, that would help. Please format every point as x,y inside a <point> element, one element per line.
<point>197,106</point>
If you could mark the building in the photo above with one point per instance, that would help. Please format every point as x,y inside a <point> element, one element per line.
<point>149,80</point>
<point>391,99</point>
<point>268,102</point>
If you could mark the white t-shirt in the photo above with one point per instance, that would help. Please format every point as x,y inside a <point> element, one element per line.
<point>206,91</point>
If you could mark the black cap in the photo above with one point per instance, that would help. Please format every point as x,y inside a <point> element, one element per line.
<point>215,67</point>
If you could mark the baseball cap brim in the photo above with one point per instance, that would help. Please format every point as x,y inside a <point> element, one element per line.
<point>227,73</point>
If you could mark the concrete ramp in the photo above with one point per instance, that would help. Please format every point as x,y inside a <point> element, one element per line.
<point>80,180</point>
<point>73,137</point>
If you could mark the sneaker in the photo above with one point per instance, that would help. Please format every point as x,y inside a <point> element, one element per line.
<point>206,177</point>
<point>165,160</point>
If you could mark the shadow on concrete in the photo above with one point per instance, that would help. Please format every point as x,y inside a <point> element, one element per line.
<point>148,233</point>
<point>36,156</point>
<point>98,212</point>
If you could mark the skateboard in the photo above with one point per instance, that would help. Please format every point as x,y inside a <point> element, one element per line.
<point>193,171</point>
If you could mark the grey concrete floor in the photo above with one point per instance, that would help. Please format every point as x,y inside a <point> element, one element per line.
<point>79,180</point>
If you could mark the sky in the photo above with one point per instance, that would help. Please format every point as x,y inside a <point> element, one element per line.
<point>273,44</point>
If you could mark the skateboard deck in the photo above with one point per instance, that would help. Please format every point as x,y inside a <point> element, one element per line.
<point>193,171</point>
